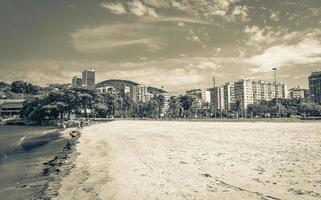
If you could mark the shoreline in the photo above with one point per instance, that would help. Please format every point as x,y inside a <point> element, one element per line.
<point>254,120</point>
<point>55,169</point>
<point>61,165</point>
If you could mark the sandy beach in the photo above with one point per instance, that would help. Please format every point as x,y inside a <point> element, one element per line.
<point>124,160</point>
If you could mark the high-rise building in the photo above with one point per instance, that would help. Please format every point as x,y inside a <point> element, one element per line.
<point>167,97</point>
<point>257,91</point>
<point>253,92</point>
<point>76,81</point>
<point>88,78</point>
<point>243,94</point>
<point>229,96</point>
<point>133,93</point>
<point>138,93</point>
<point>217,98</point>
<point>281,91</point>
<point>315,86</point>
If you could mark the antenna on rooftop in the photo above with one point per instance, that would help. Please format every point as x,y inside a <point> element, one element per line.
<point>214,81</point>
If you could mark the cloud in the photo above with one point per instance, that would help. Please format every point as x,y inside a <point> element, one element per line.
<point>115,8</point>
<point>184,20</point>
<point>258,37</point>
<point>275,16</point>
<point>202,8</point>
<point>139,9</point>
<point>107,38</point>
<point>177,74</point>
<point>305,52</point>
<point>239,13</point>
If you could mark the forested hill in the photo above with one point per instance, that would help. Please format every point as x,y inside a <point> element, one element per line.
<point>119,85</point>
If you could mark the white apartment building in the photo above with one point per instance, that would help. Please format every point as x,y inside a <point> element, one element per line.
<point>243,93</point>
<point>138,93</point>
<point>167,97</point>
<point>229,96</point>
<point>217,98</point>
<point>107,89</point>
<point>253,92</point>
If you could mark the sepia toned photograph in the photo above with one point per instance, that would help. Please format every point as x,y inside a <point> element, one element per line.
<point>160,99</point>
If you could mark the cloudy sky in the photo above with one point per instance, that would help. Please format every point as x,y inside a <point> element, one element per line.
<point>178,44</point>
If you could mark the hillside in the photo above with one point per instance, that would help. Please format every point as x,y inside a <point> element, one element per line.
<point>4,85</point>
<point>119,85</point>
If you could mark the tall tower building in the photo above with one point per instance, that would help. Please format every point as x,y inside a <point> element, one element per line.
<point>88,78</point>
<point>315,86</point>
<point>217,98</point>
<point>229,96</point>
<point>243,94</point>
<point>76,81</point>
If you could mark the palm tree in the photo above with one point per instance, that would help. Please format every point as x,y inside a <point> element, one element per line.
<point>161,102</point>
<point>186,102</point>
<point>237,107</point>
<point>175,107</point>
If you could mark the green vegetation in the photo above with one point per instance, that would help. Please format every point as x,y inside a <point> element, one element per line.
<point>284,108</point>
<point>87,103</point>
<point>24,87</point>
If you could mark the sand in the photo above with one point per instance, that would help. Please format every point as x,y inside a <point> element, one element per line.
<point>125,160</point>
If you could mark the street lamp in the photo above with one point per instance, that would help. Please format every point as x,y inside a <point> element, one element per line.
<point>275,88</point>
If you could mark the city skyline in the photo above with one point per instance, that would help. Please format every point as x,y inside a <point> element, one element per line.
<point>177,44</point>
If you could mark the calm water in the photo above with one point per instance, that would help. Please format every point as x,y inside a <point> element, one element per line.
<point>20,169</point>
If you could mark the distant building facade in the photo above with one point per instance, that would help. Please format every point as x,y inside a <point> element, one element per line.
<point>199,97</point>
<point>315,86</point>
<point>217,98</point>
<point>126,91</point>
<point>243,94</point>
<point>76,81</point>
<point>203,94</point>
<point>138,93</point>
<point>253,92</point>
<point>107,89</point>
<point>167,96</point>
<point>229,96</point>
<point>11,108</point>
<point>88,78</point>
<point>299,93</point>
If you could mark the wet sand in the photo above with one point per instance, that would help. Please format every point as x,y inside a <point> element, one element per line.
<point>126,160</point>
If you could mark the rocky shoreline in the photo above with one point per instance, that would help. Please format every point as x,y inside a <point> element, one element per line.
<point>57,168</point>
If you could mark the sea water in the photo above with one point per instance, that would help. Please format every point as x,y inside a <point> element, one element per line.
<point>21,168</point>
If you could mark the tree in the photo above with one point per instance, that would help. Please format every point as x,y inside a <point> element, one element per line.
<point>186,102</point>
<point>257,110</point>
<point>86,102</point>
<point>237,107</point>
<point>101,110</point>
<point>23,87</point>
<point>175,107</point>
<point>161,102</point>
